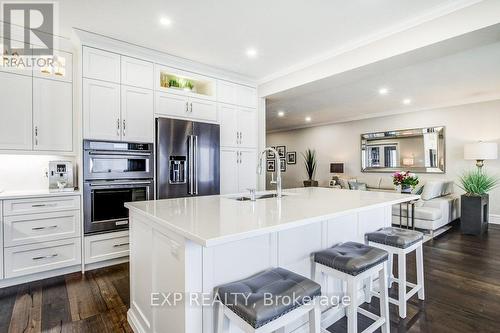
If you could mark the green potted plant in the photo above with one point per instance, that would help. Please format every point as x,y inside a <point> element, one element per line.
<point>310,164</point>
<point>475,202</point>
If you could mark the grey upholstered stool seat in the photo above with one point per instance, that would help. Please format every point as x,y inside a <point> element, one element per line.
<point>351,257</point>
<point>397,237</point>
<point>246,298</point>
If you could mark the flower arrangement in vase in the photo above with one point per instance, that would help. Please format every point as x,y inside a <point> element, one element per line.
<point>406,180</point>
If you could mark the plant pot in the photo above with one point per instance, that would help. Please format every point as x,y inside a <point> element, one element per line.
<point>475,214</point>
<point>406,189</point>
<point>310,183</point>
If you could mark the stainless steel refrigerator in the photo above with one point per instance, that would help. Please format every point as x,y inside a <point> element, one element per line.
<point>187,158</point>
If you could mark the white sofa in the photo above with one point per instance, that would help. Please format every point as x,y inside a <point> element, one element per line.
<point>438,206</point>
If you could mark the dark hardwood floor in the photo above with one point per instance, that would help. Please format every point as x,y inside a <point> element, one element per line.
<point>462,276</point>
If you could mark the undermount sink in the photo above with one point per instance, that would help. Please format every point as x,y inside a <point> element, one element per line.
<point>257,197</point>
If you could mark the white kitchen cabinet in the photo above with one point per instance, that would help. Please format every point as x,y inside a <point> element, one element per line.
<point>232,93</point>
<point>173,105</point>
<point>228,117</point>
<point>238,126</point>
<point>203,109</point>
<point>106,246</point>
<point>229,170</point>
<point>52,115</point>
<point>247,126</point>
<point>41,257</point>
<point>247,170</point>
<point>238,170</point>
<point>16,123</point>
<point>101,110</point>
<point>101,65</point>
<point>137,73</point>
<point>246,96</point>
<point>137,114</point>
<point>226,92</point>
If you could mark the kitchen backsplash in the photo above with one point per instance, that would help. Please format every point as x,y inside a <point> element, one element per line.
<point>26,172</point>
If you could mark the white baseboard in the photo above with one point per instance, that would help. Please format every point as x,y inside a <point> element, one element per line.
<point>494,219</point>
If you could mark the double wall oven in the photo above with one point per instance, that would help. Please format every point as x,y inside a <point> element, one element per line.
<point>114,173</point>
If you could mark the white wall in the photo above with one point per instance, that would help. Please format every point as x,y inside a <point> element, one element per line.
<point>341,142</point>
<point>26,172</point>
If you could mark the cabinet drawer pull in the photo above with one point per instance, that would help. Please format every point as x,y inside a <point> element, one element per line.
<point>191,106</point>
<point>187,107</point>
<point>121,244</point>
<point>46,257</point>
<point>43,228</point>
<point>43,205</point>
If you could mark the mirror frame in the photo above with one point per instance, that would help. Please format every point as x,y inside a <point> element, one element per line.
<point>399,134</point>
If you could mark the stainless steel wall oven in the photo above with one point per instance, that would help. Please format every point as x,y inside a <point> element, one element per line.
<point>114,173</point>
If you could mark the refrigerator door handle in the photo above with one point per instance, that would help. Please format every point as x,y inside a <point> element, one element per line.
<point>195,167</point>
<point>190,165</point>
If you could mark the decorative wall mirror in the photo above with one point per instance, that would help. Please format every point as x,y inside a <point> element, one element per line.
<point>419,150</point>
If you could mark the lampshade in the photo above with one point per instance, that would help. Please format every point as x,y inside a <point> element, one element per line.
<point>336,167</point>
<point>481,151</point>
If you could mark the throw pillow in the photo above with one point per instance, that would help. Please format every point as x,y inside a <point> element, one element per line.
<point>448,188</point>
<point>432,189</point>
<point>357,186</point>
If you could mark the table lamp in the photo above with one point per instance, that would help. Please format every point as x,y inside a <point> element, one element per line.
<point>336,168</point>
<point>481,151</point>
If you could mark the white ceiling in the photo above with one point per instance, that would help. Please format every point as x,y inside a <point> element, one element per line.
<point>438,76</point>
<point>217,32</point>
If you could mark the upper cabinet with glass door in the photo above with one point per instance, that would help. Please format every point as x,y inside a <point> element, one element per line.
<point>184,83</point>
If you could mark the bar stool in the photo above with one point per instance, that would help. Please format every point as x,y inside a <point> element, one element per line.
<point>355,263</point>
<point>400,242</point>
<point>244,302</point>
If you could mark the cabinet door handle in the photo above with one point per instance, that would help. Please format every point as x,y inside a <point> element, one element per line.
<point>124,126</point>
<point>43,205</point>
<point>121,244</point>
<point>241,138</point>
<point>46,257</point>
<point>191,106</point>
<point>43,228</point>
<point>118,127</point>
<point>36,135</point>
<point>187,106</point>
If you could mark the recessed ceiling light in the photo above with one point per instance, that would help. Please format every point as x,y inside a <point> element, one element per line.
<point>251,52</point>
<point>406,101</point>
<point>165,21</point>
<point>281,113</point>
<point>308,119</point>
<point>383,91</point>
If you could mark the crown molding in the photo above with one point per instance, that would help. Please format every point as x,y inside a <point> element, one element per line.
<point>92,39</point>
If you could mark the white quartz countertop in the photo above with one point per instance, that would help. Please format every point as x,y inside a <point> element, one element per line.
<point>213,220</point>
<point>5,195</point>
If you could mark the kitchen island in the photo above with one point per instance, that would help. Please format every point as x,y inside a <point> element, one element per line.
<point>182,248</point>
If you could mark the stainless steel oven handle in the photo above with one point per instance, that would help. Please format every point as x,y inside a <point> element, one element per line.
<point>123,153</point>
<point>111,184</point>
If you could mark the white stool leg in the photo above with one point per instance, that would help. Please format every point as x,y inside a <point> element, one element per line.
<point>420,272</point>
<point>368,289</point>
<point>384,299</point>
<point>219,317</point>
<point>390,275</point>
<point>315,318</point>
<point>352,309</point>
<point>402,285</point>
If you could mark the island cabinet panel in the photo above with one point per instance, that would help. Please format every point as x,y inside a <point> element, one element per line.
<point>235,261</point>
<point>141,235</point>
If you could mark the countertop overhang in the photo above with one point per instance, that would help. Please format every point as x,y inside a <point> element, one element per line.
<point>218,219</point>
